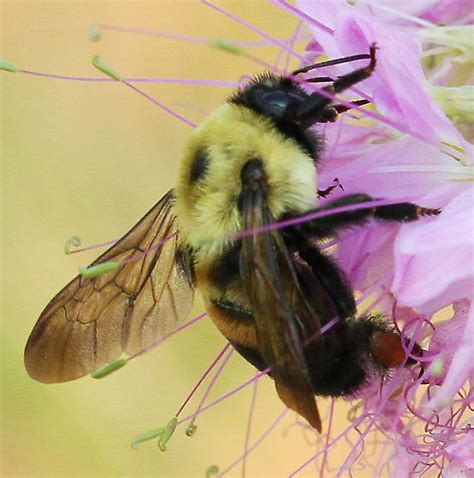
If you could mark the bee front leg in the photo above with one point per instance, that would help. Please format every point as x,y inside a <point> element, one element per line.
<point>318,107</point>
<point>330,225</point>
<point>324,193</point>
<point>330,113</point>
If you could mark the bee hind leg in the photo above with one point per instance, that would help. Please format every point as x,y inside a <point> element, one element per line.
<point>252,355</point>
<point>382,345</point>
<point>325,271</point>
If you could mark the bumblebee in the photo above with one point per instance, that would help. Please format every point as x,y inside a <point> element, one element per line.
<point>269,291</point>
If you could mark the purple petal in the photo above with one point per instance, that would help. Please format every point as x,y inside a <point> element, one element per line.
<point>462,365</point>
<point>462,454</point>
<point>398,86</point>
<point>449,11</point>
<point>434,258</point>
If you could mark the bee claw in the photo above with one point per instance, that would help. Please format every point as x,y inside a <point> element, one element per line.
<point>422,211</point>
<point>373,61</point>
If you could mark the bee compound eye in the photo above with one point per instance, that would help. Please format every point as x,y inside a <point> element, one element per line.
<point>271,102</point>
<point>275,103</point>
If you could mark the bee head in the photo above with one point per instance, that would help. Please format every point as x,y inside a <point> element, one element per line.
<point>283,100</point>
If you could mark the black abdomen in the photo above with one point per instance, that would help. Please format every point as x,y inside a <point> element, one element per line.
<point>332,372</point>
<point>339,362</point>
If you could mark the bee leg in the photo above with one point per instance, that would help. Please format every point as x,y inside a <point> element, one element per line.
<point>356,76</point>
<point>326,271</point>
<point>324,193</point>
<point>330,225</point>
<point>330,113</point>
<point>319,106</point>
<point>343,108</point>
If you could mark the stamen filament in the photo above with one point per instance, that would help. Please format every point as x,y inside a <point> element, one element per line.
<point>179,81</point>
<point>93,246</point>
<point>259,375</point>
<point>167,336</point>
<point>313,458</point>
<point>249,426</point>
<point>328,437</point>
<point>257,442</point>
<point>159,104</point>
<point>226,395</point>
<point>136,257</point>
<point>178,36</point>
<point>203,377</point>
<point>256,30</point>
<point>210,387</point>
<point>297,12</point>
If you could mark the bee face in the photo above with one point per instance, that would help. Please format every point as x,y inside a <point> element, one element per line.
<point>208,192</point>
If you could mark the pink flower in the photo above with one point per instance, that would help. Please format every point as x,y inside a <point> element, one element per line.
<point>421,267</point>
<point>386,165</point>
<point>452,344</point>
<point>399,86</point>
<point>437,253</point>
<point>462,455</point>
<point>448,12</point>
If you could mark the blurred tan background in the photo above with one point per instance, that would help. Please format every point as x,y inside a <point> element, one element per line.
<point>90,159</point>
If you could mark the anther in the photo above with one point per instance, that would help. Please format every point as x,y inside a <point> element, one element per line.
<point>109,368</point>
<point>227,46</point>
<point>73,241</point>
<point>94,271</point>
<point>7,66</point>
<point>107,70</point>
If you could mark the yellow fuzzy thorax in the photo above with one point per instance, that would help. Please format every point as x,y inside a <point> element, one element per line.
<point>207,209</point>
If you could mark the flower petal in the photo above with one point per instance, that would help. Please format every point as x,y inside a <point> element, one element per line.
<point>462,364</point>
<point>398,87</point>
<point>434,259</point>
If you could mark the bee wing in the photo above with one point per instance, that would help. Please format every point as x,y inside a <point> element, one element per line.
<point>281,312</point>
<point>93,321</point>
